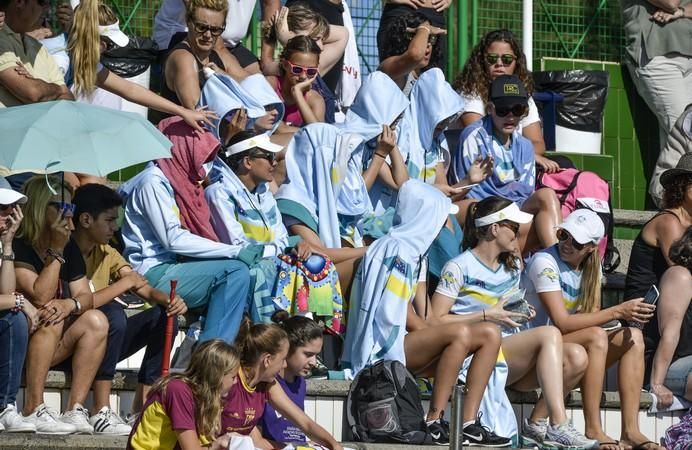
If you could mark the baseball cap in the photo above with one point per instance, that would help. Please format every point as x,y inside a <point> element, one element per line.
<point>508,90</point>
<point>260,141</point>
<point>113,33</point>
<point>9,195</point>
<point>584,225</point>
<point>511,213</point>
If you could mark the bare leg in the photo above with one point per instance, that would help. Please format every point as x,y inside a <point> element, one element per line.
<point>545,207</point>
<point>627,346</point>
<point>42,346</point>
<point>537,350</point>
<point>141,393</point>
<point>85,340</point>
<point>440,351</point>
<point>102,392</point>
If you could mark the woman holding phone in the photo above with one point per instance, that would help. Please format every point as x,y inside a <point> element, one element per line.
<point>563,283</point>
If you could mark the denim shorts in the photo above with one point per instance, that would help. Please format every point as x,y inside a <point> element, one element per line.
<point>678,373</point>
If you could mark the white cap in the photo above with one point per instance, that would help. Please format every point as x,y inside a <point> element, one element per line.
<point>260,141</point>
<point>113,33</point>
<point>453,209</point>
<point>584,225</point>
<point>8,195</point>
<point>510,213</point>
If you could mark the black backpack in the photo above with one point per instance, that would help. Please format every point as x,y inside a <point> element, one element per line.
<point>384,405</point>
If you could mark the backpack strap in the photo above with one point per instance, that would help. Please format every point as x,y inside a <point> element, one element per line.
<point>570,188</point>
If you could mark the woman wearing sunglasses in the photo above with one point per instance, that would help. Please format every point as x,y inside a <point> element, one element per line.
<point>477,286</point>
<point>513,174</point>
<point>563,283</point>
<point>298,70</point>
<point>499,53</point>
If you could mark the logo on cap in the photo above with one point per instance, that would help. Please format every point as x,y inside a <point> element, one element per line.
<point>511,89</point>
<point>581,219</point>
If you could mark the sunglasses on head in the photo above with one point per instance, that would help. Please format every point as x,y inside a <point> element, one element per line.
<point>67,208</point>
<point>260,154</point>
<point>507,59</point>
<point>516,110</point>
<point>297,69</point>
<point>564,236</point>
<point>202,28</point>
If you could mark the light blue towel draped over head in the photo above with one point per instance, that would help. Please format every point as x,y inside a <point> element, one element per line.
<point>259,88</point>
<point>386,279</point>
<point>222,94</point>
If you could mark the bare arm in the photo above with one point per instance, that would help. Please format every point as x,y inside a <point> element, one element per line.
<point>334,47</point>
<point>667,5</point>
<point>668,230</point>
<point>33,90</point>
<point>189,440</point>
<point>230,62</point>
<point>337,255</point>
<point>311,104</point>
<point>181,76</point>
<point>441,305</point>
<point>469,117</point>
<point>269,7</point>
<point>8,282</point>
<point>399,66</point>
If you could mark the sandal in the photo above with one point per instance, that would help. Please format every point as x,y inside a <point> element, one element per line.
<point>646,445</point>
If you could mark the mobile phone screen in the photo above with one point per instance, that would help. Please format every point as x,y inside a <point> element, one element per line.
<point>652,295</point>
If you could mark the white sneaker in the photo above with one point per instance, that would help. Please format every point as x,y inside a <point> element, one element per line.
<point>47,421</point>
<point>78,418</point>
<point>13,422</point>
<point>108,422</point>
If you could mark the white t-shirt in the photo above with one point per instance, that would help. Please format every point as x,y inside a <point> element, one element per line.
<point>170,19</point>
<point>474,104</point>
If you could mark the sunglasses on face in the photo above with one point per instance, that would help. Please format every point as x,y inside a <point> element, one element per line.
<point>564,236</point>
<point>202,28</point>
<point>514,227</point>
<point>297,69</point>
<point>507,59</point>
<point>68,208</point>
<point>4,208</point>
<point>259,154</point>
<point>516,110</point>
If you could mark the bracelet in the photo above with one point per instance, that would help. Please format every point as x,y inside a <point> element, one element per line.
<point>55,255</point>
<point>18,302</point>
<point>483,315</point>
<point>424,27</point>
<point>383,157</point>
<point>5,257</point>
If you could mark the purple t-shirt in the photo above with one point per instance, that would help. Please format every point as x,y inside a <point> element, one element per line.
<point>243,406</point>
<point>274,425</point>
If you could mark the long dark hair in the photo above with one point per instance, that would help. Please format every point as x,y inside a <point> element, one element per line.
<point>473,234</point>
<point>300,44</point>
<point>674,192</point>
<point>300,330</point>
<point>399,39</point>
<point>474,78</point>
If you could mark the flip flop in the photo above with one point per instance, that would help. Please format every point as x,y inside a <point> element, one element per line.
<point>601,444</point>
<point>644,445</point>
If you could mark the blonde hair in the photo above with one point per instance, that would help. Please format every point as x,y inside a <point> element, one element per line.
<point>300,18</point>
<point>83,45</point>
<point>214,5</point>
<point>39,195</point>
<point>106,15</point>
<point>590,289</point>
<point>211,361</point>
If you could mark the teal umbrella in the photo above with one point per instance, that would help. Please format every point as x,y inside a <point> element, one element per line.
<point>76,137</point>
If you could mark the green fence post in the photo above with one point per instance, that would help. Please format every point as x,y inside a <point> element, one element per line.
<point>463,36</point>
<point>474,23</point>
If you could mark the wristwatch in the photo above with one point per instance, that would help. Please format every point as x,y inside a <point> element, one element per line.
<point>57,256</point>
<point>77,307</point>
<point>5,257</point>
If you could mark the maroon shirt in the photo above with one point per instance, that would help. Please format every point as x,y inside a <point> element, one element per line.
<point>243,406</point>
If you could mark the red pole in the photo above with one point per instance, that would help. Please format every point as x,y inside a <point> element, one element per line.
<point>168,337</point>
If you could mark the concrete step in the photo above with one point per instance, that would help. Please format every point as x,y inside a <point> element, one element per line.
<point>631,218</point>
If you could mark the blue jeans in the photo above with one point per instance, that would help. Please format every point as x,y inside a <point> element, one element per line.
<point>678,373</point>
<point>14,339</point>
<point>220,284</point>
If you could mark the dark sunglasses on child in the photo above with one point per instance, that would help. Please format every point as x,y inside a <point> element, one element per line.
<point>297,69</point>
<point>507,59</point>
<point>564,236</point>
<point>517,110</point>
<point>257,153</point>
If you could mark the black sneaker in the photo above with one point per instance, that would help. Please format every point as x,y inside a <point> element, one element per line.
<point>439,430</point>
<point>476,435</point>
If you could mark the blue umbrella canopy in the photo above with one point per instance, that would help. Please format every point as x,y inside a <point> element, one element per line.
<point>76,137</point>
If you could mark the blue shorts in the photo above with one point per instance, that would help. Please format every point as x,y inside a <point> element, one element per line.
<point>678,374</point>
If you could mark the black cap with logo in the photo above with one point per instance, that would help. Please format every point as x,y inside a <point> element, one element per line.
<point>507,91</point>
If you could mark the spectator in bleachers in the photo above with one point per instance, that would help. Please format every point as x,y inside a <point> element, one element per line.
<point>168,234</point>
<point>679,143</point>
<point>651,248</point>
<point>263,350</point>
<point>563,283</point>
<point>412,46</point>
<point>170,22</point>
<point>659,59</point>
<point>183,76</point>
<point>28,74</point>
<point>299,67</point>
<point>669,338</point>
<point>96,214</point>
<point>488,272</point>
<point>431,11</point>
<point>71,334</point>
<point>514,172</point>
<point>86,45</point>
<point>388,316</point>
<point>18,317</point>
<point>498,53</point>
<point>183,410</point>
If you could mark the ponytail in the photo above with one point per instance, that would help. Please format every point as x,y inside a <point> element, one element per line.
<point>470,231</point>
<point>83,45</point>
<point>590,290</point>
<point>300,330</point>
<point>473,234</point>
<point>254,340</point>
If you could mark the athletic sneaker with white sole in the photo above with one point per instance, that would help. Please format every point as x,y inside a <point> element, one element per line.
<point>108,422</point>
<point>13,422</point>
<point>533,433</point>
<point>48,421</point>
<point>477,435</point>
<point>79,418</point>
<point>565,435</point>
